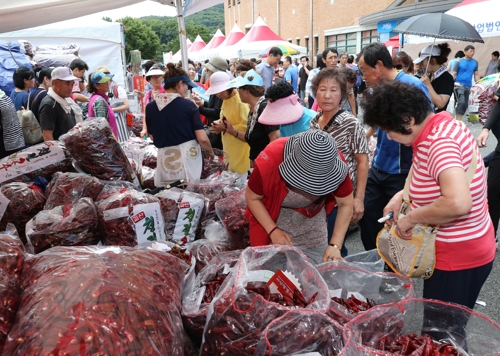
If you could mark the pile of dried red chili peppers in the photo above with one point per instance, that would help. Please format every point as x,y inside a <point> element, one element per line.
<point>414,345</point>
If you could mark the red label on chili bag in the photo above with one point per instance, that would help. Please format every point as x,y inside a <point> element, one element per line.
<point>184,205</point>
<point>138,217</point>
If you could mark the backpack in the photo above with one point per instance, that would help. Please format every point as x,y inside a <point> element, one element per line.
<point>29,124</point>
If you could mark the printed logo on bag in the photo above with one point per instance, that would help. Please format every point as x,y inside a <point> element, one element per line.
<point>173,160</point>
<point>138,217</point>
<point>193,152</point>
<point>184,205</point>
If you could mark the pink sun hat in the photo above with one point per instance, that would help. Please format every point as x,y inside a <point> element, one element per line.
<point>282,111</point>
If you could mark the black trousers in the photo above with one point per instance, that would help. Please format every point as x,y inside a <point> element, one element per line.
<point>494,189</point>
<point>380,188</point>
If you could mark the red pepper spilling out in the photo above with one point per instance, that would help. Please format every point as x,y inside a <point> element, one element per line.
<point>100,301</point>
<point>354,305</point>
<point>11,269</point>
<point>26,200</point>
<point>65,225</point>
<point>93,146</point>
<point>68,188</point>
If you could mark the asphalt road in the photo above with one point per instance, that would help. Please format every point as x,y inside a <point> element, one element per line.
<point>490,294</point>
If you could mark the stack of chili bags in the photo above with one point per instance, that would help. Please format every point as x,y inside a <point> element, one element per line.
<point>182,211</point>
<point>245,305</point>
<point>93,146</point>
<point>422,327</point>
<point>99,301</point>
<point>231,212</point>
<point>354,290</point>
<point>206,285</point>
<point>19,203</point>
<point>128,217</point>
<point>11,269</point>
<point>43,159</point>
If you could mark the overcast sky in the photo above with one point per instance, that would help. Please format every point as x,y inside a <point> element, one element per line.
<point>145,8</point>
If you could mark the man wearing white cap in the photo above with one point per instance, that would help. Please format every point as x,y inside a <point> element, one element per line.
<point>58,112</point>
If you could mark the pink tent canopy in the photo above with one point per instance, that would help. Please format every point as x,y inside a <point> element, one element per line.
<point>198,45</point>
<point>216,40</point>
<point>260,32</point>
<point>234,36</point>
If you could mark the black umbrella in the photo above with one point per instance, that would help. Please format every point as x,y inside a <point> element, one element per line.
<point>439,25</point>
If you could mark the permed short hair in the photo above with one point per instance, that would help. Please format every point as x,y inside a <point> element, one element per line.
<point>279,90</point>
<point>330,73</point>
<point>392,105</point>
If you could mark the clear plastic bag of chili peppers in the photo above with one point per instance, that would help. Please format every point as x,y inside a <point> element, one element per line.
<point>216,241</point>
<point>137,124</point>
<point>231,212</point>
<point>68,188</point>
<point>482,98</point>
<point>93,146</point>
<point>245,306</point>
<point>354,290</point>
<point>43,159</point>
<point>150,156</point>
<point>129,217</point>
<point>19,202</point>
<point>206,285</point>
<point>420,327</point>
<point>217,165</point>
<point>367,260</point>
<point>212,190</point>
<point>93,300</point>
<point>12,255</point>
<point>113,187</point>
<point>65,225</point>
<point>300,332</point>
<point>148,178</point>
<point>182,212</point>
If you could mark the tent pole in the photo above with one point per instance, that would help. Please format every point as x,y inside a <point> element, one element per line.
<point>182,34</point>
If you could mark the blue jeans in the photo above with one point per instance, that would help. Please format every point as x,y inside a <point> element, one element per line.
<point>331,223</point>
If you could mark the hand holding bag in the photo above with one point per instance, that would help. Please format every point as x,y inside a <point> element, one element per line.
<point>416,257</point>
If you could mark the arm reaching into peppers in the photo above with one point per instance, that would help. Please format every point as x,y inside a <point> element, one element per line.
<point>345,207</point>
<point>254,203</point>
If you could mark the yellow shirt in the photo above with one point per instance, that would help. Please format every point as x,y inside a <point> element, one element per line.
<point>236,113</point>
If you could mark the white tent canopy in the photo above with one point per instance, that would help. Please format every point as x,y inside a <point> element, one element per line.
<point>100,41</point>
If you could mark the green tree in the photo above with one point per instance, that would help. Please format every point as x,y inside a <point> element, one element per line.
<point>106,18</point>
<point>140,36</point>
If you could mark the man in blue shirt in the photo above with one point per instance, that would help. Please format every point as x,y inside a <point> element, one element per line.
<point>462,71</point>
<point>393,160</point>
<point>291,75</point>
<point>266,67</point>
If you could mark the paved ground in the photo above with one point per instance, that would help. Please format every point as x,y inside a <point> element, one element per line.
<point>490,293</point>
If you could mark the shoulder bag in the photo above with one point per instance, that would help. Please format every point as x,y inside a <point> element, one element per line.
<point>29,124</point>
<point>416,257</point>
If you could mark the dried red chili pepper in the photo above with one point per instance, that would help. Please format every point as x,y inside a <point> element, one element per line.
<point>68,188</point>
<point>120,230</point>
<point>92,145</point>
<point>26,200</point>
<point>150,157</point>
<point>100,301</point>
<point>212,191</point>
<point>204,250</point>
<point>65,225</point>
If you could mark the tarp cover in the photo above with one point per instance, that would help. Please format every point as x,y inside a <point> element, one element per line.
<point>8,65</point>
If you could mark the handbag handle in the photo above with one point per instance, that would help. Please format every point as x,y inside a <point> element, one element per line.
<point>471,171</point>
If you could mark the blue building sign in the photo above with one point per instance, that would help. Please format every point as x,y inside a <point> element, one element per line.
<point>388,26</point>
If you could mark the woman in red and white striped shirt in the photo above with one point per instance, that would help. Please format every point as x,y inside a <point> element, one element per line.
<point>441,195</point>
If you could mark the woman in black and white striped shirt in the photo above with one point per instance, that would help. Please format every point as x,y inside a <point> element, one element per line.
<point>11,134</point>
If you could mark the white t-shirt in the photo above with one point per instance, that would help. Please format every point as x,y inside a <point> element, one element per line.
<point>122,94</point>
